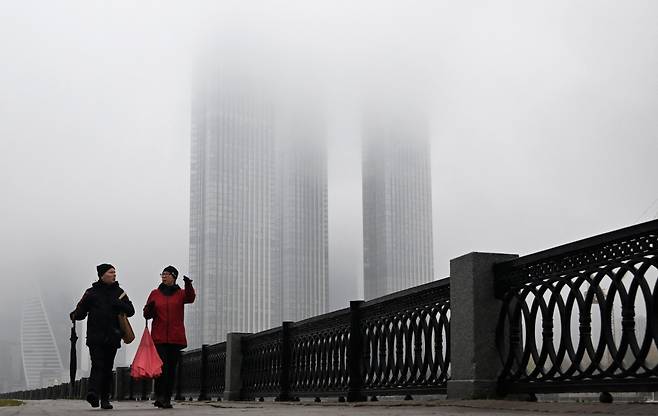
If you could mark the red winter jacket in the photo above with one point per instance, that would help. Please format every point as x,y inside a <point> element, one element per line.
<point>166,306</point>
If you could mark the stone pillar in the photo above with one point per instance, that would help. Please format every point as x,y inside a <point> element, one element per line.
<point>474,310</point>
<point>233,386</point>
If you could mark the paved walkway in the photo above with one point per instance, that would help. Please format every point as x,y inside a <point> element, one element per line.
<point>419,408</point>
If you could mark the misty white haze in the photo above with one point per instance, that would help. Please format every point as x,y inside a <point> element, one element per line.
<point>542,120</point>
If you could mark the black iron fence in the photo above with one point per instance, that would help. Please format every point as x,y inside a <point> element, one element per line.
<point>189,375</point>
<point>407,342</point>
<point>578,318</point>
<point>75,390</point>
<point>582,317</point>
<point>395,345</point>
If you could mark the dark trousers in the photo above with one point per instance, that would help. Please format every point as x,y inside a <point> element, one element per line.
<point>169,354</point>
<point>102,363</point>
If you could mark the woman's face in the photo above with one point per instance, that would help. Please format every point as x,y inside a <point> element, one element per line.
<point>109,277</point>
<point>168,278</point>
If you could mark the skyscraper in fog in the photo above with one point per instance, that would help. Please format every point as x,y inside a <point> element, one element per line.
<point>302,206</point>
<point>258,249</point>
<point>231,227</point>
<point>42,363</point>
<point>397,204</point>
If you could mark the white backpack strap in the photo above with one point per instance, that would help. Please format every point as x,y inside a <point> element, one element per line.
<point>123,294</point>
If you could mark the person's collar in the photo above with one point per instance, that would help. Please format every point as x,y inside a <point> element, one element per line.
<point>100,284</point>
<point>168,290</point>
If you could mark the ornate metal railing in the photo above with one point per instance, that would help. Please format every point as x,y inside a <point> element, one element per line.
<point>407,341</point>
<point>319,351</point>
<point>582,317</point>
<point>262,363</point>
<point>189,375</point>
<point>58,391</point>
<point>396,345</point>
<point>216,374</point>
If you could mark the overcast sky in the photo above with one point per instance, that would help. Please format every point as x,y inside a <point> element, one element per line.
<point>543,124</point>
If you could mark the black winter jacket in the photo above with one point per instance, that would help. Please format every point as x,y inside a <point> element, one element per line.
<point>101,302</point>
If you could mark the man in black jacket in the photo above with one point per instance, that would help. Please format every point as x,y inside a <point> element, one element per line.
<point>102,302</point>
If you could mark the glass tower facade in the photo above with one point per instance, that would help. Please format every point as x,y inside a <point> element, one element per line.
<point>258,215</point>
<point>302,196</point>
<point>397,205</point>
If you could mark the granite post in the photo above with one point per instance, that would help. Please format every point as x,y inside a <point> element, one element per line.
<point>474,310</point>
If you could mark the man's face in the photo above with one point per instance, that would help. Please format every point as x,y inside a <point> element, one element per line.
<point>109,277</point>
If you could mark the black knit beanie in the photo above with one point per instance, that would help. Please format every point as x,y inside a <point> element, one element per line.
<point>102,268</point>
<point>172,270</point>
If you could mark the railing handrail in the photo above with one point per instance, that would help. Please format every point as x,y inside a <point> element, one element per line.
<point>323,317</point>
<point>219,345</point>
<point>579,245</point>
<point>194,351</point>
<point>265,333</point>
<point>445,282</point>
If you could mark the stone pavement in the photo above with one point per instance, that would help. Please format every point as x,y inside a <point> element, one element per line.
<point>383,408</point>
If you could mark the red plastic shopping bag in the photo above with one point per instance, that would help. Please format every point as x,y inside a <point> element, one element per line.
<point>147,362</point>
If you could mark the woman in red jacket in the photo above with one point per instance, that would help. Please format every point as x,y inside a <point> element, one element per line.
<point>165,305</point>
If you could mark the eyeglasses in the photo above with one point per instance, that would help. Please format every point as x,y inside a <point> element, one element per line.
<point>165,274</point>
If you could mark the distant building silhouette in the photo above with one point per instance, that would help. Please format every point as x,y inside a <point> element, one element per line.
<point>397,204</point>
<point>42,363</point>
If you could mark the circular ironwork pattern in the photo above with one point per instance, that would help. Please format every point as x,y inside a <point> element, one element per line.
<point>261,363</point>
<point>190,373</point>
<point>407,350</point>
<point>319,352</point>
<point>407,343</point>
<point>594,325</point>
<point>216,369</point>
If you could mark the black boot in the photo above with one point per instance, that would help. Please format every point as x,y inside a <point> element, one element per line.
<point>166,404</point>
<point>105,404</point>
<point>158,402</point>
<point>92,399</point>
